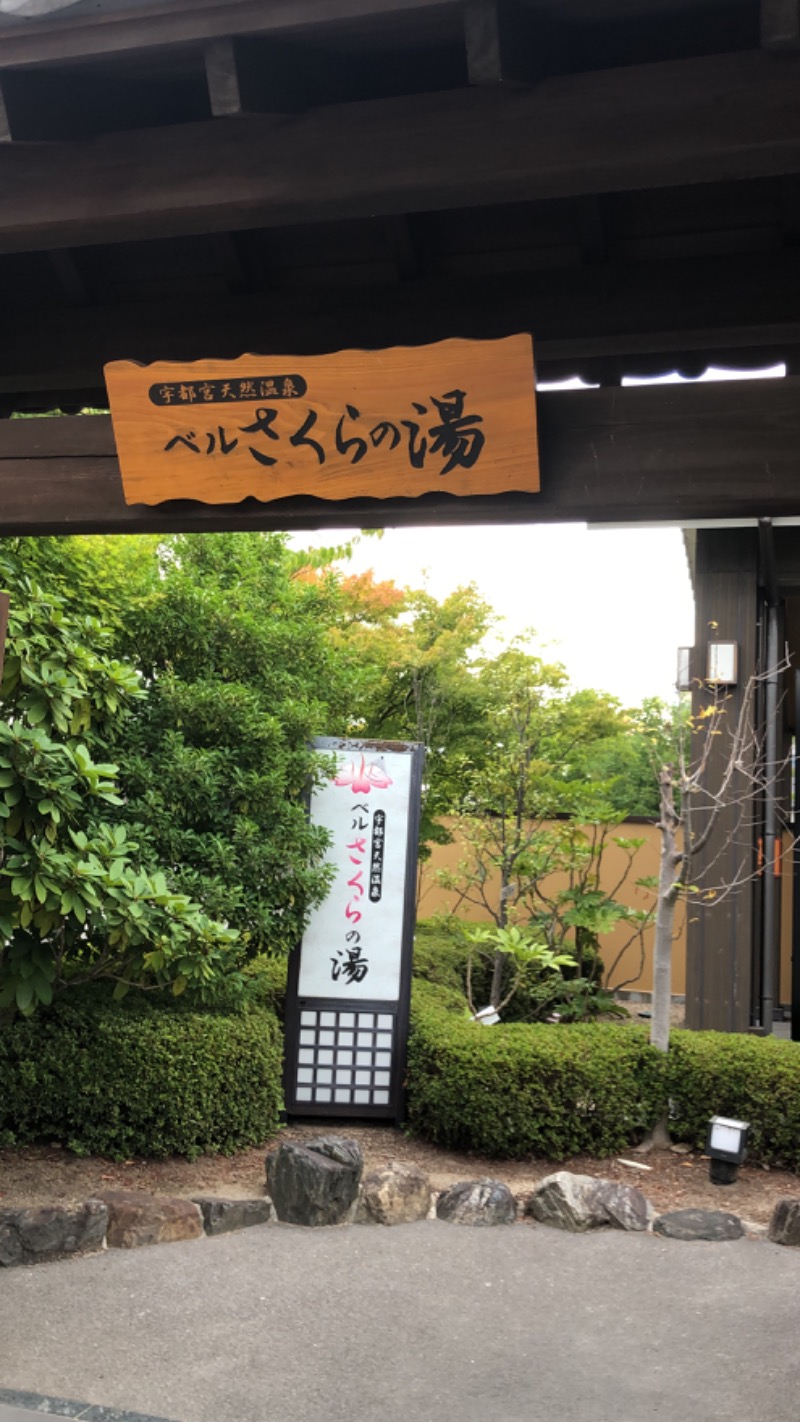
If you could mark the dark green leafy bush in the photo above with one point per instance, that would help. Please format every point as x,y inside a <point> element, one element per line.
<point>753,1079</point>
<point>142,1080</point>
<point>527,1089</point>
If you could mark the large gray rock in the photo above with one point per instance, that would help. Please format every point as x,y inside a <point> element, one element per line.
<point>136,1218</point>
<point>221,1216</point>
<point>395,1194</point>
<point>714,1225</point>
<point>316,1183</point>
<point>477,1202</point>
<point>582,1202</point>
<point>784,1227</point>
<point>32,1236</point>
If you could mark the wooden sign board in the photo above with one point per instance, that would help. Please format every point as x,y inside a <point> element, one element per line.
<point>458,416</point>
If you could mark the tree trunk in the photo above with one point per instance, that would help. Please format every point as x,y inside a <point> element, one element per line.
<point>496,995</point>
<point>658,1137</point>
<point>497,979</point>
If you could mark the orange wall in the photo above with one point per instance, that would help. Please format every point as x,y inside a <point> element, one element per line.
<point>635,975</point>
<point>787,871</point>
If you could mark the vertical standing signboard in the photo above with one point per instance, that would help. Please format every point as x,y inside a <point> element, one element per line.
<point>350,977</point>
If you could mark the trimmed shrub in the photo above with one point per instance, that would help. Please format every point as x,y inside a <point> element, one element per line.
<point>265,983</point>
<point>525,1089</point>
<point>440,955</point>
<point>143,1080</point>
<point>755,1079</point>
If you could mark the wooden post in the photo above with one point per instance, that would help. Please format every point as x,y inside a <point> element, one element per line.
<point>4,605</point>
<point>719,968</point>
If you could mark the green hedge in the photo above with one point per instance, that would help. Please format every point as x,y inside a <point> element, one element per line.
<point>265,984</point>
<point>755,1079</point>
<point>522,1089</point>
<point>440,954</point>
<point>141,1080</point>
<point>555,1091</point>
<point>153,1080</point>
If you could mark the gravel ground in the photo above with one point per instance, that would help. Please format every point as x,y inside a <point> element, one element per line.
<point>48,1175</point>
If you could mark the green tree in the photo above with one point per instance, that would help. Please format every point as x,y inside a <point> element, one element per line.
<point>422,687</point>
<point>77,902</point>
<point>215,760</point>
<point>627,753</point>
<point>534,837</point>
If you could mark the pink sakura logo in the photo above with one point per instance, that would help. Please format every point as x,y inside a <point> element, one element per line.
<point>364,777</point>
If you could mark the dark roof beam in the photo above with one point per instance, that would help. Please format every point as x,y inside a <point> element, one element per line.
<point>733,312</point>
<point>403,247</point>
<point>233,256</point>
<point>185,22</point>
<point>507,42</point>
<point>658,125</point>
<point>780,25</point>
<point>70,277</point>
<point>669,452</point>
<point>594,244</point>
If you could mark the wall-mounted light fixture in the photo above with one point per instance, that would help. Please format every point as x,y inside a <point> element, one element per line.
<point>722,667</point>
<point>727,1143</point>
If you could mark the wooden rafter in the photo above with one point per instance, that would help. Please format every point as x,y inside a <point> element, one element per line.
<point>186,22</point>
<point>223,78</point>
<point>691,121</point>
<point>731,308</point>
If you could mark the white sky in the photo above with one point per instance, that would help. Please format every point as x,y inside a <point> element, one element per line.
<point>594,596</point>
<point>613,605</point>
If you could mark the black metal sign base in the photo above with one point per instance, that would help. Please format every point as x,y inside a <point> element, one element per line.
<point>343,1059</point>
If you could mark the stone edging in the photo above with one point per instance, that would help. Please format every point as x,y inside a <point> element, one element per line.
<point>320,1183</point>
<point>34,1402</point>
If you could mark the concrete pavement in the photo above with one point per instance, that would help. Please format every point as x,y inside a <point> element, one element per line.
<point>419,1322</point>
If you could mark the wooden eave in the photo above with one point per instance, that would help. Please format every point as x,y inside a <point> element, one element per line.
<point>192,178</point>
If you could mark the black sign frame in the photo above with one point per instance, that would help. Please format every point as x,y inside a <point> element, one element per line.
<point>300,1010</point>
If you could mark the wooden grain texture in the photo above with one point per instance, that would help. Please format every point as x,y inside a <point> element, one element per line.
<point>656,125</point>
<point>638,454</point>
<point>719,938</point>
<point>460,415</point>
<point>181,22</point>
